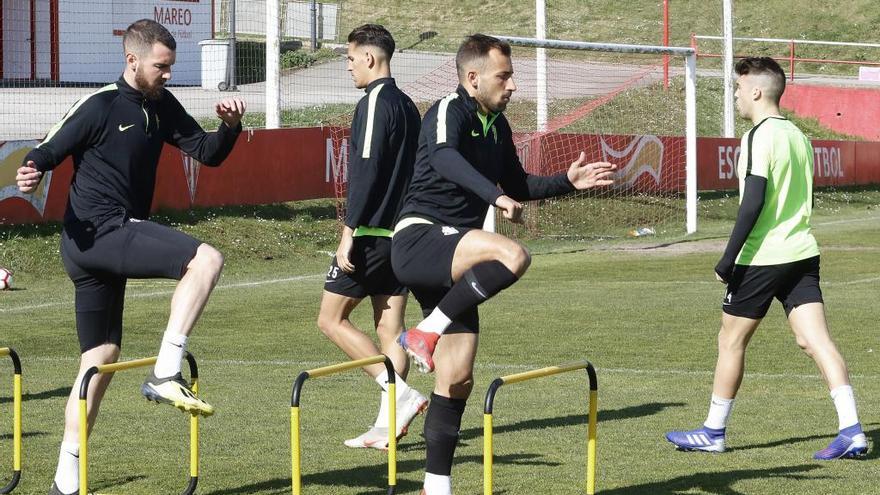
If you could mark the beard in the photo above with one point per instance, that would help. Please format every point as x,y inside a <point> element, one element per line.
<point>493,106</point>
<point>500,107</point>
<point>152,91</point>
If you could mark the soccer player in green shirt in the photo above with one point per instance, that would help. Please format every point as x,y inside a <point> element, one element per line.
<point>772,253</point>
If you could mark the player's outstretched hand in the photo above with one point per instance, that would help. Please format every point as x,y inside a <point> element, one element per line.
<point>28,177</point>
<point>510,209</point>
<point>230,110</point>
<point>588,175</point>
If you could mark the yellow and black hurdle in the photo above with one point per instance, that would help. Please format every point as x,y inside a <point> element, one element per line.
<point>16,419</point>
<point>295,446</point>
<point>529,375</point>
<point>83,418</point>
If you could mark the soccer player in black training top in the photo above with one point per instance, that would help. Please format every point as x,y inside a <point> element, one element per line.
<point>115,136</point>
<point>384,138</point>
<point>466,152</point>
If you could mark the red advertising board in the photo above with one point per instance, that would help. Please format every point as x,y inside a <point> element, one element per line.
<point>269,166</point>
<point>835,163</point>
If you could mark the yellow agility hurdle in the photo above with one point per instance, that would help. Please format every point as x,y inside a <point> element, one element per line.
<point>83,418</point>
<point>16,419</point>
<point>529,375</point>
<point>295,446</point>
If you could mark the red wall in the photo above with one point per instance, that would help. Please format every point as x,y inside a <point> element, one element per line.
<point>266,166</point>
<point>270,166</point>
<point>835,163</point>
<point>851,111</point>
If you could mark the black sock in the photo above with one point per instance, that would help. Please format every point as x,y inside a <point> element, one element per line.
<point>478,284</point>
<point>442,424</point>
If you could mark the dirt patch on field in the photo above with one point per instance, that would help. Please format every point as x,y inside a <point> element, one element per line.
<point>675,248</point>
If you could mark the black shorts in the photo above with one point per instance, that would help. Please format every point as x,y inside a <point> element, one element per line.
<point>99,267</point>
<point>373,276</point>
<point>752,288</point>
<point>421,255</point>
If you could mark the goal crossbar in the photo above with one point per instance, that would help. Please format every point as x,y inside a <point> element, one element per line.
<point>690,131</point>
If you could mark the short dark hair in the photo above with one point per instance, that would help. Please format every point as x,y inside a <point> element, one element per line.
<point>373,35</point>
<point>475,47</point>
<point>143,34</point>
<point>764,66</point>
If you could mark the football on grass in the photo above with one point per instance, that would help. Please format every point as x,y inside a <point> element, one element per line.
<point>5,279</point>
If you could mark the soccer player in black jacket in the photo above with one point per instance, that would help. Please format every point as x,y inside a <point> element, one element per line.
<point>115,136</point>
<point>384,138</point>
<point>466,152</point>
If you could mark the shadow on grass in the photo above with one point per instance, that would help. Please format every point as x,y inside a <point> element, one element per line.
<point>370,477</point>
<point>786,441</point>
<point>641,410</point>
<point>114,483</point>
<point>873,438</point>
<point>26,434</point>
<point>638,411</point>
<point>720,483</point>
<point>47,394</point>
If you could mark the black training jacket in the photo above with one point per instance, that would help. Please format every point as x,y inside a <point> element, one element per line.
<point>384,140</point>
<point>463,157</point>
<point>115,136</point>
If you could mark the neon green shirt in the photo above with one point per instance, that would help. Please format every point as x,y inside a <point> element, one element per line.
<point>782,154</point>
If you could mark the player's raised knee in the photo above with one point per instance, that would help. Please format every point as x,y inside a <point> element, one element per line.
<point>516,258</point>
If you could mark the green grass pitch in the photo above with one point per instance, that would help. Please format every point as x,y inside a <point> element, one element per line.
<point>645,312</point>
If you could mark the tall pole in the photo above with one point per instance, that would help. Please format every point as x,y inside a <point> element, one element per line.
<point>665,43</point>
<point>728,68</point>
<point>690,96</point>
<point>313,23</point>
<point>230,66</point>
<point>273,65</point>
<point>541,64</point>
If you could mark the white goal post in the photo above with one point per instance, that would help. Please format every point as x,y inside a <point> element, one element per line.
<point>689,130</point>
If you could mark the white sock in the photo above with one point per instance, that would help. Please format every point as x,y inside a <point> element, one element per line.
<point>719,412</point>
<point>67,474</point>
<point>436,484</point>
<point>170,353</point>
<point>382,417</point>
<point>845,403</point>
<point>436,322</point>
<point>399,383</point>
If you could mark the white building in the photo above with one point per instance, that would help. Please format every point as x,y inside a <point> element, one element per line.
<point>80,41</point>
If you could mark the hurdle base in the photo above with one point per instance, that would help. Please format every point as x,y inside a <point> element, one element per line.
<point>191,488</point>
<point>16,477</point>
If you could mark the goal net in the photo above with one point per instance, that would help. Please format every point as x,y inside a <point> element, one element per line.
<point>612,103</point>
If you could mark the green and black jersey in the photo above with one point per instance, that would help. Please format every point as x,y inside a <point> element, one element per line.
<point>463,157</point>
<point>115,136</point>
<point>778,151</point>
